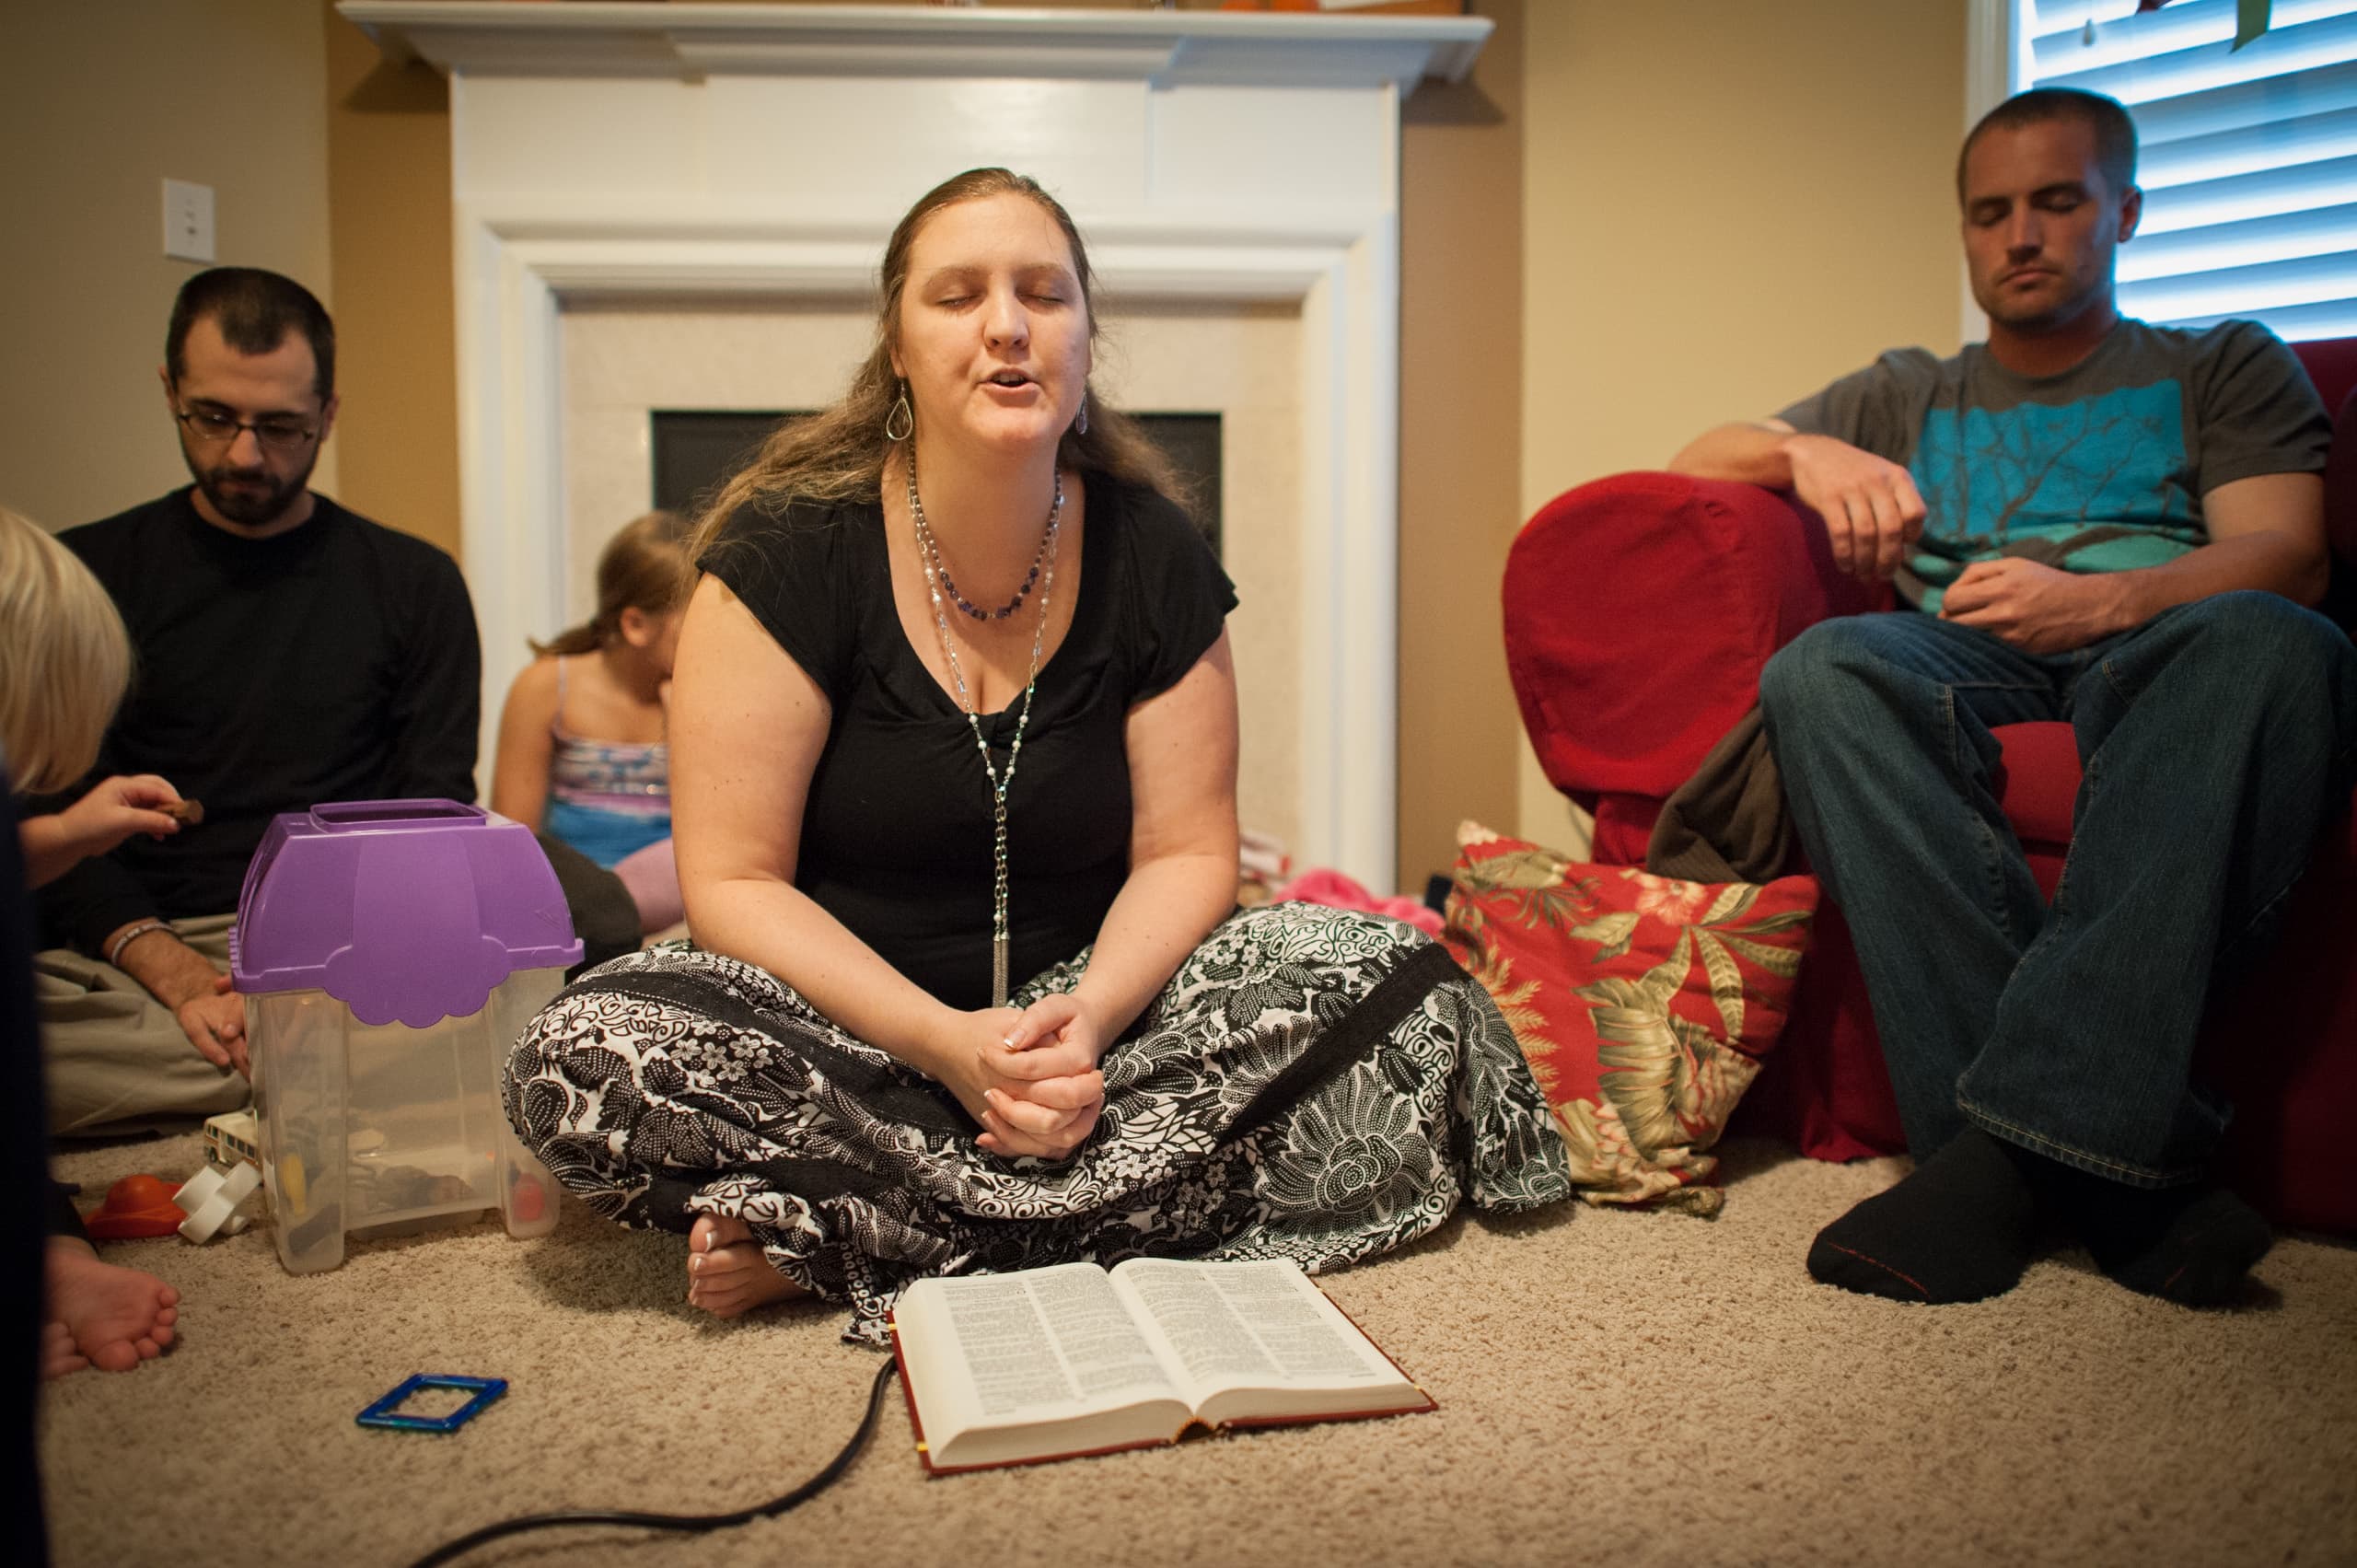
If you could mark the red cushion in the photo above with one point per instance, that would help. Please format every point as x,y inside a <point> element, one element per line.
<point>1643,1004</point>
<point>1728,575</point>
<point>2041,789</point>
<point>1828,1089</point>
<point>2340,488</point>
<point>2331,365</point>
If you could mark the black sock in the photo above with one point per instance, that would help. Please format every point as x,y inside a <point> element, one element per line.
<point>2190,1245</point>
<point>1960,1229</point>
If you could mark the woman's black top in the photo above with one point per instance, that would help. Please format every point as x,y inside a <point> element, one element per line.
<point>897,832</point>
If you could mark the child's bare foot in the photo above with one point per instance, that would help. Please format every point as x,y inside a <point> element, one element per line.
<point>100,1314</point>
<point>727,1272</point>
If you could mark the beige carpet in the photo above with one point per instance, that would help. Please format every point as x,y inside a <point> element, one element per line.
<point>1615,1388</point>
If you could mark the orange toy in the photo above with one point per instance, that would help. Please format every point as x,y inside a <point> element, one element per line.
<point>135,1206</point>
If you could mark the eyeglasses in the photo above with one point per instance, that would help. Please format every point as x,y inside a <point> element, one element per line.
<point>214,428</point>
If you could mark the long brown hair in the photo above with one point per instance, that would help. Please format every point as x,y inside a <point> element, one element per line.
<point>643,567</point>
<point>837,453</point>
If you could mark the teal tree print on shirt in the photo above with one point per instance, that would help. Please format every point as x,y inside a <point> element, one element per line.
<point>2099,485</point>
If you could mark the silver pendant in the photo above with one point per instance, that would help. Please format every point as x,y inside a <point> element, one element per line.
<point>928,560</point>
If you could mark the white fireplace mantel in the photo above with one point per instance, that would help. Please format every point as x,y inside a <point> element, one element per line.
<point>669,151</point>
<point>689,41</point>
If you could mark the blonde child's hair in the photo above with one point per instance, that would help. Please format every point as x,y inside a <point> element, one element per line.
<point>643,567</point>
<point>64,660</point>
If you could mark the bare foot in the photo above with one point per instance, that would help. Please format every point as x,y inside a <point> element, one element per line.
<point>727,1272</point>
<point>100,1314</point>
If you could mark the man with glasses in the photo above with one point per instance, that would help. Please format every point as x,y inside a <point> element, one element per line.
<point>289,652</point>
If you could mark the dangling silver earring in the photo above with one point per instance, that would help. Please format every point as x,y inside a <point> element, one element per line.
<point>1080,425</point>
<point>903,416</point>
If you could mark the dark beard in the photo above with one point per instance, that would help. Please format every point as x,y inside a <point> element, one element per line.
<point>255,504</point>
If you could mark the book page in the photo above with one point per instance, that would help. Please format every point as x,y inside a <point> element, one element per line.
<point>1048,1337</point>
<point>1258,1324</point>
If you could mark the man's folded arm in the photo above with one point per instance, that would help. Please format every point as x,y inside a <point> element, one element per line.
<point>1749,451</point>
<point>1872,511</point>
<point>2266,532</point>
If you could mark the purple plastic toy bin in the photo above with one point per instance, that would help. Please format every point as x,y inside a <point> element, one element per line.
<point>389,953</point>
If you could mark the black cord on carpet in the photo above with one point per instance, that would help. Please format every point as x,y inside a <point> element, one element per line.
<point>686,1522</point>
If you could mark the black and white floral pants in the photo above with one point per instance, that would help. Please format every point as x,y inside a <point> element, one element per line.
<point>1312,1084</point>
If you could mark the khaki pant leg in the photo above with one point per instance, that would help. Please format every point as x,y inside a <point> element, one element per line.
<point>116,1059</point>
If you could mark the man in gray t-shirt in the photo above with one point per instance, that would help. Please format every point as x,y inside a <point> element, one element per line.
<point>2101,467</point>
<point>2098,521</point>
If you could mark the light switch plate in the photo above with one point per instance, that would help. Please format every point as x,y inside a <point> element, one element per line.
<point>188,221</point>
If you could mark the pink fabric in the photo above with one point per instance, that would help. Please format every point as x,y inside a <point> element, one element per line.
<point>651,877</point>
<point>1337,891</point>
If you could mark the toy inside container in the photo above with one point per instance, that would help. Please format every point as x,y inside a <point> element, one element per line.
<point>389,953</point>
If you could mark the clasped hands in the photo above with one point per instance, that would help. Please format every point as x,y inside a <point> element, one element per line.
<point>1872,517</point>
<point>1029,1078</point>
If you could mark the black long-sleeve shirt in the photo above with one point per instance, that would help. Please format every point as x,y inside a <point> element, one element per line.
<point>337,661</point>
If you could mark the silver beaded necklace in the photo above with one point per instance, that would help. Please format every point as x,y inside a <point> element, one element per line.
<point>929,557</point>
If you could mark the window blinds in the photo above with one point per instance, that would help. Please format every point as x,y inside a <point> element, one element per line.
<point>2249,159</point>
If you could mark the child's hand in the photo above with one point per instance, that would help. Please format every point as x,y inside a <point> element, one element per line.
<point>111,812</point>
<point>117,807</point>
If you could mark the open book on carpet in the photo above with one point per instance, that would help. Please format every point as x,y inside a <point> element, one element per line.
<point>1051,1364</point>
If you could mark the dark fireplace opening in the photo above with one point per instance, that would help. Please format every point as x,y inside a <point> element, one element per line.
<point>696,451</point>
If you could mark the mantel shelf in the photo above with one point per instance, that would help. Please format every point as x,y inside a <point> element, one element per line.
<point>689,43</point>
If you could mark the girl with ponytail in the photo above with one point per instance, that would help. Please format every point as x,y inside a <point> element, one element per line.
<point>581,740</point>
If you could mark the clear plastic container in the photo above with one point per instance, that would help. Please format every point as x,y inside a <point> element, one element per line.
<point>374,1130</point>
<point>389,953</point>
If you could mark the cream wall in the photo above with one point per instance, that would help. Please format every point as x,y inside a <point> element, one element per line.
<point>99,104</point>
<point>1461,248</point>
<point>1726,206</point>
<point>388,222</point>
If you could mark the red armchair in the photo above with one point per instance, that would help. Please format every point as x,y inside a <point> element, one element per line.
<point>1639,610</point>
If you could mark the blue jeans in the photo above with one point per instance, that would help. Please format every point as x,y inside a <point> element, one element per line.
<point>2216,741</point>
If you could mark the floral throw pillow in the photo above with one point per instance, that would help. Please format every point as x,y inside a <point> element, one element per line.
<point>1643,1004</point>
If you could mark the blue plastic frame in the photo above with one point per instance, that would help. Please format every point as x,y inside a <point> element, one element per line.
<point>384,1411</point>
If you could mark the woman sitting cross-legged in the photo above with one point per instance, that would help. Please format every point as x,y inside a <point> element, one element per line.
<point>953,761</point>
